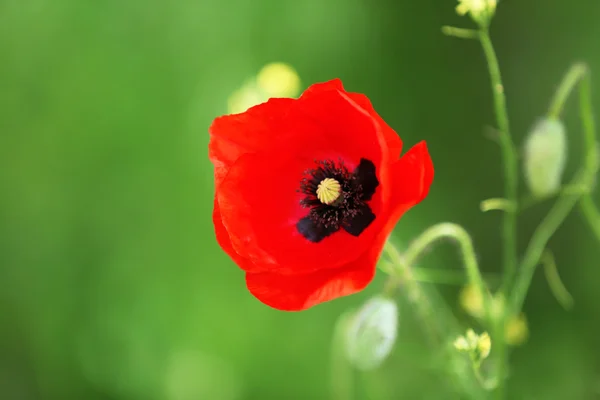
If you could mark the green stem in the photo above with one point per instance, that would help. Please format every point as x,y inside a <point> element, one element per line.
<point>509,154</point>
<point>557,287</point>
<point>402,273</point>
<point>587,206</point>
<point>579,73</point>
<point>573,76</point>
<point>437,275</point>
<point>456,232</point>
<point>438,321</point>
<point>530,200</point>
<point>460,33</point>
<point>537,244</point>
<point>592,216</point>
<point>585,177</point>
<point>497,204</point>
<point>509,223</point>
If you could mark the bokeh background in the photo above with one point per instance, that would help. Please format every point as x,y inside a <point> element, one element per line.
<point>112,285</point>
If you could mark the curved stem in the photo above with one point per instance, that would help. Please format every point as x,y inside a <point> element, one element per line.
<point>579,73</point>
<point>456,232</point>
<point>509,154</point>
<point>585,177</point>
<point>530,200</point>
<point>438,321</point>
<point>402,273</point>
<point>437,275</point>
<point>557,287</point>
<point>573,76</point>
<point>587,206</point>
<point>591,213</point>
<point>460,33</point>
<point>538,242</point>
<point>497,204</point>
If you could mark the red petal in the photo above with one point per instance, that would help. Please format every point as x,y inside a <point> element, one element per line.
<point>394,143</point>
<point>248,132</point>
<point>225,242</point>
<point>265,124</point>
<point>412,175</point>
<point>299,292</point>
<point>259,202</point>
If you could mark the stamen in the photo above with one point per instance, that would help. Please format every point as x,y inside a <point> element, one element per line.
<point>337,199</point>
<point>328,191</point>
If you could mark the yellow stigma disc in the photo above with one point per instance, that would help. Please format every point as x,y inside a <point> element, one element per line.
<point>328,191</point>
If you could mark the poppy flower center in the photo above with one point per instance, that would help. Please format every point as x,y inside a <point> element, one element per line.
<point>337,198</point>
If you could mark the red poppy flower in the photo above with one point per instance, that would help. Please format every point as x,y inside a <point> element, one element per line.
<point>307,192</point>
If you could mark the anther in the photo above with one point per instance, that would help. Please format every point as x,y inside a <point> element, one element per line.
<point>328,191</point>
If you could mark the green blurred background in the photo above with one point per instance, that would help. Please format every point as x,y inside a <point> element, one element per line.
<point>112,285</point>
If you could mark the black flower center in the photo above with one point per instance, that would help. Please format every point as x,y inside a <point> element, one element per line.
<point>337,199</point>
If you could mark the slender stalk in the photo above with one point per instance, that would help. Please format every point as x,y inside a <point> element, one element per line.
<point>402,273</point>
<point>509,154</point>
<point>509,223</point>
<point>538,242</point>
<point>497,204</point>
<point>585,177</point>
<point>458,233</point>
<point>590,211</point>
<point>460,33</point>
<point>587,206</point>
<point>573,76</point>
<point>530,200</point>
<point>580,74</point>
<point>438,275</point>
<point>438,321</point>
<point>557,287</point>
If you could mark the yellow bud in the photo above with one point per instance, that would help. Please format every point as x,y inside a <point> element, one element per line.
<point>245,97</point>
<point>484,345</point>
<point>461,344</point>
<point>516,330</point>
<point>472,338</point>
<point>481,11</point>
<point>471,301</point>
<point>478,346</point>
<point>278,80</point>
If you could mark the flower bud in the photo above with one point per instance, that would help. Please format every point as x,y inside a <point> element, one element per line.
<point>471,301</point>
<point>371,333</point>
<point>279,80</point>
<point>477,346</point>
<point>484,345</point>
<point>516,330</point>
<point>545,157</point>
<point>481,11</point>
<point>273,80</point>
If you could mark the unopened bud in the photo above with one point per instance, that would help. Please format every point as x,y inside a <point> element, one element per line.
<point>279,80</point>
<point>516,330</point>
<point>545,157</point>
<point>273,80</point>
<point>484,345</point>
<point>471,301</point>
<point>371,333</point>
<point>481,11</point>
<point>477,346</point>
